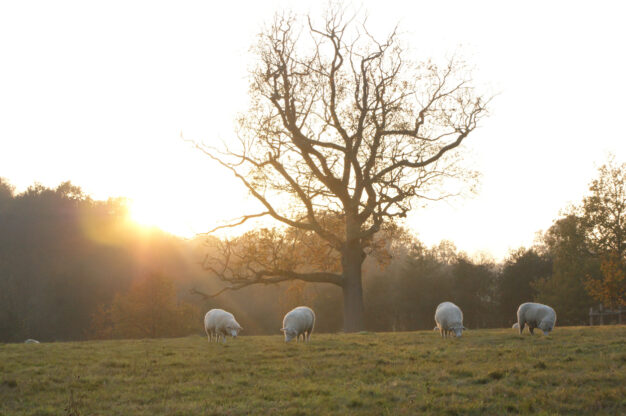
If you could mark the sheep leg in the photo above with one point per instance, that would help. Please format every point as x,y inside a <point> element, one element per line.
<point>522,324</point>
<point>531,329</point>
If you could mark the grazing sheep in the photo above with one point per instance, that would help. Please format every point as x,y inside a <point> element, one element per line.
<point>218,322</point>
<point>515,325</point>
<point>536,315</point>
<point>298,321</point>
<point>31,341</point>
<point>449,318</point>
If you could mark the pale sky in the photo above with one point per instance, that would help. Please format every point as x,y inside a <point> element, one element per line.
<point>99,92</point>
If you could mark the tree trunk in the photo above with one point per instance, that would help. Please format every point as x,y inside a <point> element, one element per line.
<point>353,312</point>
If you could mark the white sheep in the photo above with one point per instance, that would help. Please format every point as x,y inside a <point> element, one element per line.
<point>515,325</point>
<point>298,321</point>
<point>536,315</point>
<point>449,318</point>
<point>31,341</point>
<point>218,322</point>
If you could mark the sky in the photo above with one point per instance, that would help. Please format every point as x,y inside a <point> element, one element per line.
<point>99,93</point>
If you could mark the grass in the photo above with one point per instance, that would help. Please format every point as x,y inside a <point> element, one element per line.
<point>576,370</point>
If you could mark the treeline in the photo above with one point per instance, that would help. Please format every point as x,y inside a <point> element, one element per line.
<point>75,268</point>
<point>63,256</point>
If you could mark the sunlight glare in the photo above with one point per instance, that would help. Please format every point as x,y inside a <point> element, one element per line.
<point>148,213</point>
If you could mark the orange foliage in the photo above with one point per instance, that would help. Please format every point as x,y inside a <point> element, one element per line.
<point>149,309</point>
<point>610,289</point>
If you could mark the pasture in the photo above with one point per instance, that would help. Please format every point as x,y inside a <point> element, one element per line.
<point>576,370</point>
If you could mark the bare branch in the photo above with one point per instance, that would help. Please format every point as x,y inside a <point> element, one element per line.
<point>343,135</point>
<point>231,225</point>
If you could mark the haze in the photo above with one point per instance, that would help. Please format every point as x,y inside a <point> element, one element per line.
<point>99,93</point>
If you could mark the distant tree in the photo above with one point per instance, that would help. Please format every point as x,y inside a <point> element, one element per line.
<point>610,289</point>
<point>603,219</point>
<point>473,291</point>
<point>40,236</point>
<point>150,309</point>
<point>346,125</point>
<point>564,289</point>
<point>521,269</point>
<point>403,296</point>
<point>62,254</point>
<point>6,194</point>
<point>10,322</point>
<point>102,326</point>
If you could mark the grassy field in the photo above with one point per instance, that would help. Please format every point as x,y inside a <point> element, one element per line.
<point>577,370</point>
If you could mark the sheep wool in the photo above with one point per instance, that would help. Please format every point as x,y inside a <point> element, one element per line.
<point>218,322</point>
<point>298,321</point>
<point>449,318</point>
<point>536,315</point>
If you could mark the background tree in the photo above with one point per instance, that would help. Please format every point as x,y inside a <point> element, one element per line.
<point>150,309</point>
<point>604,224</point>
<point>404,296</point>
<point>572,263</point>
<point>6,194</point>
<point>520,271</point>
<point>473,291</point>
<point>343,127</point>
<point>62,254</point>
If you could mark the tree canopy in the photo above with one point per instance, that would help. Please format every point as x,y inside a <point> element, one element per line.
<point>603,218</point>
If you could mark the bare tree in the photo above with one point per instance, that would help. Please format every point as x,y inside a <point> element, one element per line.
<point>343,136</point>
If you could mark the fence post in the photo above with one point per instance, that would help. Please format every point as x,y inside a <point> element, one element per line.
<point>619,315</point>
<point>590,316</point>
<point>601,311</point>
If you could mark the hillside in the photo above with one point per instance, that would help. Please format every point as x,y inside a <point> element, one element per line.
<point>577,370</point>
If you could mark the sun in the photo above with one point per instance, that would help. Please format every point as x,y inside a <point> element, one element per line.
<point>165,215</point>
<point>185,212</point>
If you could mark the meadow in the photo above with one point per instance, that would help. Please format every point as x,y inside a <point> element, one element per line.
<point>576,370</point>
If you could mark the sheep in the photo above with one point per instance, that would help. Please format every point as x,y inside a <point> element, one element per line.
<point>449,318</point>
<point>218,322</point>
<point>31,341</point>
<point>298,321</point>
<point>536,315</point>
<point>515,325</point>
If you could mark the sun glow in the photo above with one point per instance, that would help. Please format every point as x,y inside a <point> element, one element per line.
<point>185,213</point>
<point>166,216</point>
